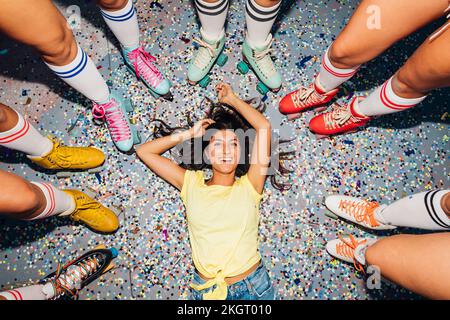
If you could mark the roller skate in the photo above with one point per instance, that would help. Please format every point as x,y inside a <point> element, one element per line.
<point>66,282</point>
<point>208,53</point>
<point>115,114</point>
<point>350,249</point>
<point>341,119</point>
<point>142,64</point>
<point>357,211</point>
<point>92,213</point>
<point>258,59</point>
<point>305,98</point>
<point>70,159</point>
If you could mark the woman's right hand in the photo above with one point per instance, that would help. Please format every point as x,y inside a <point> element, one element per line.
<point>199,128</point>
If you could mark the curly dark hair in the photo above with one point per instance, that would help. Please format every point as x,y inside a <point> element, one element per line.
<point>225,118</point>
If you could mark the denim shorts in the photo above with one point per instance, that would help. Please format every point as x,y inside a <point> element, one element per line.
<point>256,286</point>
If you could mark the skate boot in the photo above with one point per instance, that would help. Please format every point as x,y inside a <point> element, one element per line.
<point>66,282</point>
<point>70,158</point>
<point>351,250</point>
<point>92,213</point>
<point>259,60</point>
<point>115,114</point>
<point>142,64</point>
<point>357,211</point>
<point>339,120</point>
<point>305,98</point>
<point>208,53</point>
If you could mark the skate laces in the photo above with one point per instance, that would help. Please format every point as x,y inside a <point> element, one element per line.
<point>305,96</point>
<point>70,277</point>
<point>339,116</point>
<point>115,118</point>
<point>205,53</point>
<point>144,67</point>
<point>362,211</point>
<point>264,61</point>
<point>347,248</point>
<point>441,30</point>
<point>64,156</point>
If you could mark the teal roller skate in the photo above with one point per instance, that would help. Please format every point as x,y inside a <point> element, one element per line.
<point>68,280</point>
<point>115,114</point>
<point>142,64</point>
<point>258,59</point>
<point>208,53</point>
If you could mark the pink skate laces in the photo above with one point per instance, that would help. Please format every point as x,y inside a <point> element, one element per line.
<point>70,281</point>
<point>144,67</point>
<point>117,123</point>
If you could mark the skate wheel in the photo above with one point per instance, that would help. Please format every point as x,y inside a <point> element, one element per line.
<point>243,67</point>
<point>136,137</point>
<point>262,88</point>
<point>63,174</point>
<point>204,82</point>
<point>114,252</point>
<point>222,59</point>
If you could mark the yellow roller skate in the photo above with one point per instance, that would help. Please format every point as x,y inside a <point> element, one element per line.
<point>92,213</point>
<point>70,158</point>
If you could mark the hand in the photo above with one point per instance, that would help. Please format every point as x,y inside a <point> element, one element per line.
<point>199,128</point>
<point>225,93</point>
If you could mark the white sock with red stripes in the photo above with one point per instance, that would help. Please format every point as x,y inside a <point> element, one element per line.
<point>421,210</point>
<point>33,292</point>
<point>384,101</point>
<point>24,137</point>
<point>58,202</point>
<point>330,77</point>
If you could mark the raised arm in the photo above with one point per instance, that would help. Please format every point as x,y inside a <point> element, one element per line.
<point>260,156</point>
<point>150,153</point>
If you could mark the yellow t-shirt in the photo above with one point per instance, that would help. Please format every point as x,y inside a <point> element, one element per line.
<point>223,228</point>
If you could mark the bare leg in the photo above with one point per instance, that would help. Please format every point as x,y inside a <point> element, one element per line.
<point>112,5</point>
<point>8,118</point>
<point>47,32</point>
<point>420,263</point>
<point>357,43</point>
<point>19,198</point>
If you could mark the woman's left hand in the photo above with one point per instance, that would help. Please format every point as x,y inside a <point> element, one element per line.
<point>225,93</point>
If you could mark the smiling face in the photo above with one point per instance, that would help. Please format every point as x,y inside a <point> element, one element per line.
<point>223,151</point>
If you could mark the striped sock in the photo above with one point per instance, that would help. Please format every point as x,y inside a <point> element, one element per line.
<point>33,292</point>
<point>83,76</point>
<point>259,22</point>
<point>58,202</point>
<point>330,77</point>
<point>421,210</point>
<point>24,137</point>
<point>212,17</point>
<point>124,24</point>
<point>384,101</point>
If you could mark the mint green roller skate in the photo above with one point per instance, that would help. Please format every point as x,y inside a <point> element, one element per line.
<point>142,64</point>
<point>115,114</point>
<point>258,59</point>
<point>208,53</point>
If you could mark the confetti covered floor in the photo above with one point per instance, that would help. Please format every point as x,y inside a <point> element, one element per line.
<point>397,155</point>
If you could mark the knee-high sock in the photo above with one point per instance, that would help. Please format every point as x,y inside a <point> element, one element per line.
<point>58,202</point>
<point>33,292</point>
<point>212,17</point>
<point>330,77</point>
<point>124,24</point>
<point>24,137</point>
<point>259,22</point>
<point>83,76</point>
<point>421,210</point>
<point>384,101</point>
